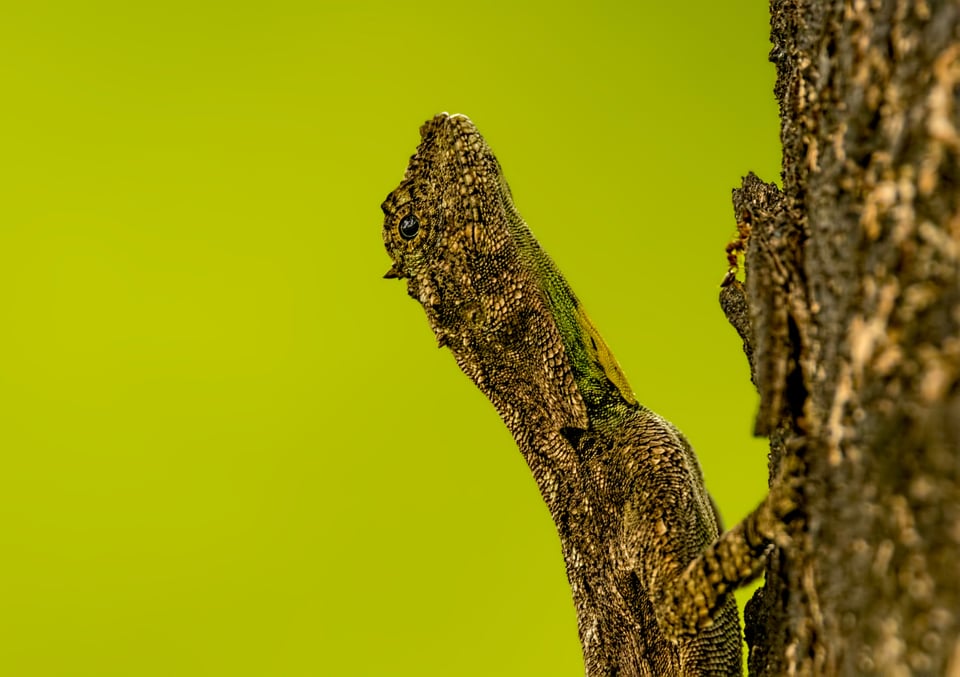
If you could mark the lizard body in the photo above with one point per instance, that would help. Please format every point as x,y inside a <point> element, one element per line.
<point>623,486</point>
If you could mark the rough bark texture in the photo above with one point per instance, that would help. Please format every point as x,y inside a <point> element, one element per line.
<point>854,303</point>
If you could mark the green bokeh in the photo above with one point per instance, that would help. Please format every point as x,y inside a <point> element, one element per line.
<point>227,447</point>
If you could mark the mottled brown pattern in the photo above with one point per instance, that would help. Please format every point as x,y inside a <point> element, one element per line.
<point>638,530</point>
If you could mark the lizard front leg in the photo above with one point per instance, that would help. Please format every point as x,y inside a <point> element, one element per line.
<point>688,603</point>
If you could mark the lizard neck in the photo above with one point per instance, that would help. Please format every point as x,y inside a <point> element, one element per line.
<point>600,381</point>
<point>531,348</point>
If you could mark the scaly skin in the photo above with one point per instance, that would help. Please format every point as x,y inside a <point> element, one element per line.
<point>622,484</point>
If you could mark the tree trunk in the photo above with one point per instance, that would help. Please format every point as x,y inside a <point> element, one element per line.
<point>853,293</point>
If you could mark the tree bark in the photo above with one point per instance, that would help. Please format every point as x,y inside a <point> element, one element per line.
<point>853,298</point>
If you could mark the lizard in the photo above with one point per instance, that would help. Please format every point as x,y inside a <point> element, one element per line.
<point>650,574</point>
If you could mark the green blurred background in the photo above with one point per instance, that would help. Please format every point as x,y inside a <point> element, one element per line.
<point>227,446</point>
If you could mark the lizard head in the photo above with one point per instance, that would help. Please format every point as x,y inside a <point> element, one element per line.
<point>489,291</point>
<point>445,226</point>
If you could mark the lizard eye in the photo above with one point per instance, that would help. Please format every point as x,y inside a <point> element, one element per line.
<point>409,227</point>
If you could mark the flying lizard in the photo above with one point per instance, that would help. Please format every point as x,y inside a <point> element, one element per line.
<point>651,577</point>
